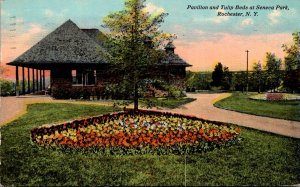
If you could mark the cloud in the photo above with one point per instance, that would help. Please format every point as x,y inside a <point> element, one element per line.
<point>153,9</point>
<point>35,29</point>
<point>220,19</point>
<point>273,16</point>
<point>12,47</point>
<point>293,11</point>
<point>19,21</point>
<point>49,13</point>
<point>55,16</point>
<point>216,19</point>
<point>247,22</point>
<point>3,13</point>
<point>198,35</point>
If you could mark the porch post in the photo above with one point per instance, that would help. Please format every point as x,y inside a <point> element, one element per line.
<point>23,81</point>
<point>41,82</point>
<point>37,80</point>
<point>44,82</point>
<point>33,82</point>
<point>17,80</point>
<point>28,80</point>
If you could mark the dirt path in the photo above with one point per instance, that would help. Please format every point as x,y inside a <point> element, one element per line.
<point>203,108</point>
<point>13,107</point>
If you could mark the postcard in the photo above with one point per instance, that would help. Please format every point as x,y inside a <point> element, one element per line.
<point>150,92</point>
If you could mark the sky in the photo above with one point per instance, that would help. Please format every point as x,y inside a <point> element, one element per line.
<point>203,37</point>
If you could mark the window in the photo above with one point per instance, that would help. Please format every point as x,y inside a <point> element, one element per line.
<point>83,77</point>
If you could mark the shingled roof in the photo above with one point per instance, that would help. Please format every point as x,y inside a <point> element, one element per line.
<point>171,58</point>
<point>170,45</point>
<point>66,44</point>
<point>97,35</point>
<point>174,59</point>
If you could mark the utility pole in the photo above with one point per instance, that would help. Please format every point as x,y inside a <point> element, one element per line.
<point>247,72</point>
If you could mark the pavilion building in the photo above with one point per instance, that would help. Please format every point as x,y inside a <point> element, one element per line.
<point>75,58</point>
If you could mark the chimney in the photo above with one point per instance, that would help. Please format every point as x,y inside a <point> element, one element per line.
<point>170,48</point>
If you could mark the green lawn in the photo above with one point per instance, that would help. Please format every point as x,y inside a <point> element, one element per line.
<point>240,102</point>
<point>260,159</point>
<point>166,102</point>
<point>153,102</point>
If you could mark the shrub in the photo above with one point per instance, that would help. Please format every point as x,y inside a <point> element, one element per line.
<point>173,91</point>
<point>98,92</point>
<point>86,93</point>
<point>76,92</point>
<point>58,92</point>
<point>7,87</point>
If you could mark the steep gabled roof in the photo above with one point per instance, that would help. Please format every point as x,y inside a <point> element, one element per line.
<point>171,58</point>
<point>66,44</point>
<point>70,44</point>
<point>170,45</point>
<point>174,59</point>
<point>97,35</point>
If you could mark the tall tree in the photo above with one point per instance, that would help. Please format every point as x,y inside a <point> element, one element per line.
<point>291,59</point>
<point>226,78</point>
<point>292,64</point>
<point>273,65</point>
<point>217,75</point>
<point>257,76</point>
<point>239,81</point>
<point>134,40</point>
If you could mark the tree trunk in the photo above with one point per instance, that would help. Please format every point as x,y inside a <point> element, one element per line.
<point>136,98</point>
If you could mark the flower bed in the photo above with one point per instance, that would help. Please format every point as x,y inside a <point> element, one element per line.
<point>276,97</point>
<point>143,132</point>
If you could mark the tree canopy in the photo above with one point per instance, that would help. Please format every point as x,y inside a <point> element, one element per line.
<point>291,78</point>
<point>217,75</point>
<point>273,65</point>
<point>291,59</point>
<point>257,76</point>
<point>133,41</point>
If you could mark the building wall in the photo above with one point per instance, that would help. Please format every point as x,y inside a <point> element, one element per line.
<point>62,87</point>
<point>61,77</point>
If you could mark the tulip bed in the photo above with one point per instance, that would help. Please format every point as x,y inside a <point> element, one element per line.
<point>276,97</point>
<point>143,132</point>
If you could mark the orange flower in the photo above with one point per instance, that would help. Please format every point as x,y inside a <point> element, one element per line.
<point>125,143</point>
<point>140,139</point>
<point>60,137</point>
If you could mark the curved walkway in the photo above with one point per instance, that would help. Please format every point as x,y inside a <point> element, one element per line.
<point>13,107</point>
<point>203,108</point>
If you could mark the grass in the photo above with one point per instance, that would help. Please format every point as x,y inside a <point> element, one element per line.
<point>277,109</point>
<point>286,96</point>
<point>166,102</point>
<point>153,102</point>
<point>260,159</point>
